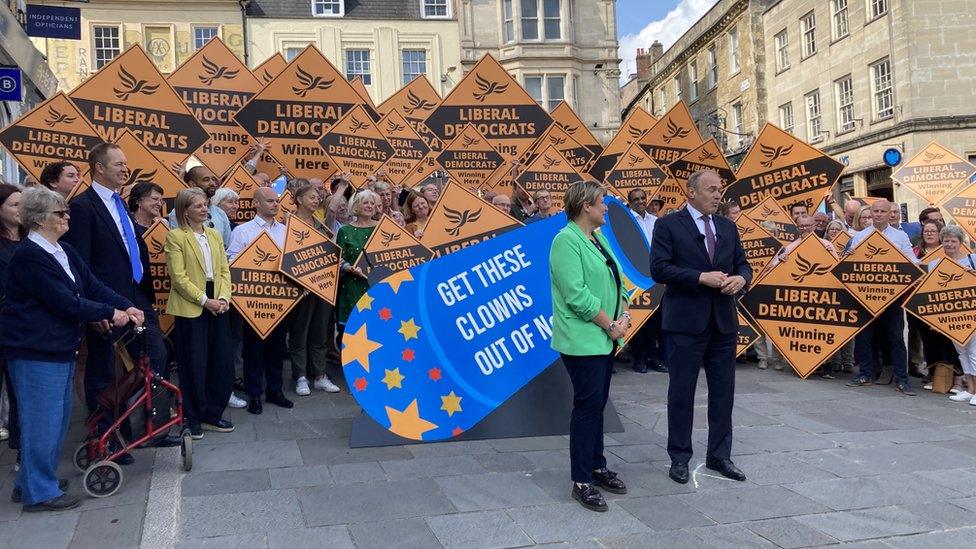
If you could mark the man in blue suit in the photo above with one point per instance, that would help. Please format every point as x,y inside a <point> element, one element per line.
<point>700,259</point>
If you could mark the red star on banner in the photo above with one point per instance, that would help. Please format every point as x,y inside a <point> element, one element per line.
<point>385,313</point>
<point>407,355</point>
<point>434,374</point>
<point>360,384</point>
<point>456,432</point>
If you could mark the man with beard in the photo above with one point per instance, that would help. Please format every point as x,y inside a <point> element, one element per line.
<point>202,178</point>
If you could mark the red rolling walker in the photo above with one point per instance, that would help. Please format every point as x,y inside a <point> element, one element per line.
<point>138,393</point>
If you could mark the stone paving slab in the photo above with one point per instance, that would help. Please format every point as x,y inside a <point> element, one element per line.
<point>478,530</point>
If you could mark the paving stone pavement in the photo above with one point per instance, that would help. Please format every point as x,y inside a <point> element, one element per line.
<point>826,464</point>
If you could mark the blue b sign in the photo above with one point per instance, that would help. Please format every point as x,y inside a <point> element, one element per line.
<point>11,84</point>
<point>53,22</point>
<point>892,157</point>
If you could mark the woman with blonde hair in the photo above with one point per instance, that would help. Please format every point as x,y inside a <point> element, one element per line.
<point>352,239</point>
<point>199,299</point>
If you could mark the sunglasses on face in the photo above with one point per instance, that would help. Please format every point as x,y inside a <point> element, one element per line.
<point>61,213</point>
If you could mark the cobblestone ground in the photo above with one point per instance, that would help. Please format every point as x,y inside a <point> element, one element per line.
<point>826,465</point>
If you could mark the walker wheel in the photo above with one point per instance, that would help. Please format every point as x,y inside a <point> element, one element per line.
<point>186,450</point>
<point>81,460</point>
<point>103,478</point>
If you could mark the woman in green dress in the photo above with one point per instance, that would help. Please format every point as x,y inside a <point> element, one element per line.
<point>352,238</point>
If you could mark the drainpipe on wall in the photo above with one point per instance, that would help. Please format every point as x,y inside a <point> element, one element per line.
<point>243,4</point>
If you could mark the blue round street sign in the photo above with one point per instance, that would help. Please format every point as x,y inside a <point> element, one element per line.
<point>892,157</point>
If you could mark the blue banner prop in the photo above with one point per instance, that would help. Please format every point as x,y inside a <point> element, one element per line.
<point>429,352</point>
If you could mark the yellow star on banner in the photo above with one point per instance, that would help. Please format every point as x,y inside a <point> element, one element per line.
<point>409,329</point>
<point>395,279</point>
<point>393,378</point>
<point>408,423</point>
<point>451,403</point>
<point>364,303</point>
<point>358,347</point>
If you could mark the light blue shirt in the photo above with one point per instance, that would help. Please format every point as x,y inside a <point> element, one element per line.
<point>54,249</point>
<point>895,236</point>
<point>244,233</point>
<point>217,218</point>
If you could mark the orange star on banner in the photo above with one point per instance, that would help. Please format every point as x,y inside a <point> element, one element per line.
<point>396,279</point>
<point>364,303</point>
<point>393,378</point>
<point>451,403</point>
<point>409,329</point>
<point>357,347</point>
<point>408,423</point>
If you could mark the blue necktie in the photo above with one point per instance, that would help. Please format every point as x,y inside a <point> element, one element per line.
<point>130,238</point>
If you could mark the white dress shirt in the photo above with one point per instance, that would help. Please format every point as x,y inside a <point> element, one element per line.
<point>896,236</point>
<point>244,233</point>
<point>54,249</point>
<point>205,249</point>
<point>646,223</point>
<point>699,222</point>
<point>106,194</point>
<point>968,261</point>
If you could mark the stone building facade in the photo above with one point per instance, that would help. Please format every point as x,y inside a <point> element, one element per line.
<point>717,69</point>
<point>855,77</point>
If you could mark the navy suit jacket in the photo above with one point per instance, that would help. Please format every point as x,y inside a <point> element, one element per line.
<point>678,257</point>
<point>93,234</point>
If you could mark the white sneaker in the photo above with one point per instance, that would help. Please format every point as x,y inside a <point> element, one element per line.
<point>301,387</point>
<point>927,386</point>
<point>955,390</point>
<point>962,396</point>
<point>236,401</point>
<point>972,401</point>
<point>325,384</point>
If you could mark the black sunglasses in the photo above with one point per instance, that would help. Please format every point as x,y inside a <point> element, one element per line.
<point>61,213</point>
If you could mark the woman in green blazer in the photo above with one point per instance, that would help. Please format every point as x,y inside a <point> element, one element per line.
<point>199,298</point>
<point>589,316</point>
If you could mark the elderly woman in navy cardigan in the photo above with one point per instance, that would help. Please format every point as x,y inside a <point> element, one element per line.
<point>51,292</point>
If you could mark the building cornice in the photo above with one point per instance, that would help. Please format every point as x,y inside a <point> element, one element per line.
<point>912,125</point>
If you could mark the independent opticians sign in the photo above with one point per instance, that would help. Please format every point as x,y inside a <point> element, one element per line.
<point>53,22</point>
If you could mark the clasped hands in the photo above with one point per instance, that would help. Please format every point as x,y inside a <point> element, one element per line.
<point>120,318</point>
<point>618,328</point>
<point>729,285</point>
<point>216,306</point>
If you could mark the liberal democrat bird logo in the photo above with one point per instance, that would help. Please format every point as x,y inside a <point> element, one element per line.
<point>768,212</point>
<point>139,176</point>
<point>264,257</point>
<point>571,130</point>
<point>487,87</point>
<point>266,76</point>
<point>133,86</point>
<point>675,132</point>
<point>556,140</point>
<point>468,141</point>
<point>460,219</point>
<point>55,117</point>
<point>387,238</point>
<point>745,231</point>
<point>948,278</point>
<point>632,160</point>
<point>773,153</point>
<point>309,82</point>
<point>930,156</point>
<point>417,104</point>
<point>300,236</point>
<point>807,269</point>
<point>548,162</point>
<point>155,248</point>
<point>241,186</point>
<point>357,125</point>
<point>393,127</point>
<point>634,132</point>
<point>874,251</point>
<point>216,72</point>
<point>707,155</point>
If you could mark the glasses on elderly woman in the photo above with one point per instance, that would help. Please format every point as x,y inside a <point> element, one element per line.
<point>61,213</point>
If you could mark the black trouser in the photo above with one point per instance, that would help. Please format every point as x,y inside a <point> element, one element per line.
<point>13,418</point>
<point>100,365</point>
<point>648,342</point>
<point>206,365</point>
<point>591,389</point>
<point>263,360</point>
<point>687,354</point>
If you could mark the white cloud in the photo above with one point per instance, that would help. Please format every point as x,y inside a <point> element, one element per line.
<point>666,31</point>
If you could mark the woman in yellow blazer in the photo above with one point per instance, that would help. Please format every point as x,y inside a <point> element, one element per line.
<point>199,298</point>
<point>589,316</point>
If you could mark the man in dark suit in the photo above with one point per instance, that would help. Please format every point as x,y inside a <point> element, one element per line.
<point>103,233</point>
<point>698,255</point>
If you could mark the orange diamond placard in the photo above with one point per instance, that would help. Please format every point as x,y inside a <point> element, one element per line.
<point>155,239</point>
<point>637,123</point>
<point>242,183</point>
<point>803,309</point>
<point>946,301</point>
<point>672,136</point>
<point>760,246</point>
<point>461,219</point>
<point>471,159</point>
<point>311,259</point>
<point>390,249</point>
<point>261,293</point>
<point>416,101</point>
<point>746,336</point>
<point>574,151</point>
<point>496,104</point>
<point>706,156</point>
<point>877,273</point>
<point>215,84</point>
<point>566,118</point>
<point>270,68</point>
<point>356,145</point>
<point>550,171</point>
<point>409,148</point>
<point>781,167</point>
<point>635,169</point>
<point>962,208</point>
<point>841,241</point>
<point>53,131</point>
<point>130,94</point>
<point>144,167</point>
<point>934,173</point>
<point>770,210</point>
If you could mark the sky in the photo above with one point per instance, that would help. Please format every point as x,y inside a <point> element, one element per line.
<point>640,22</point>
